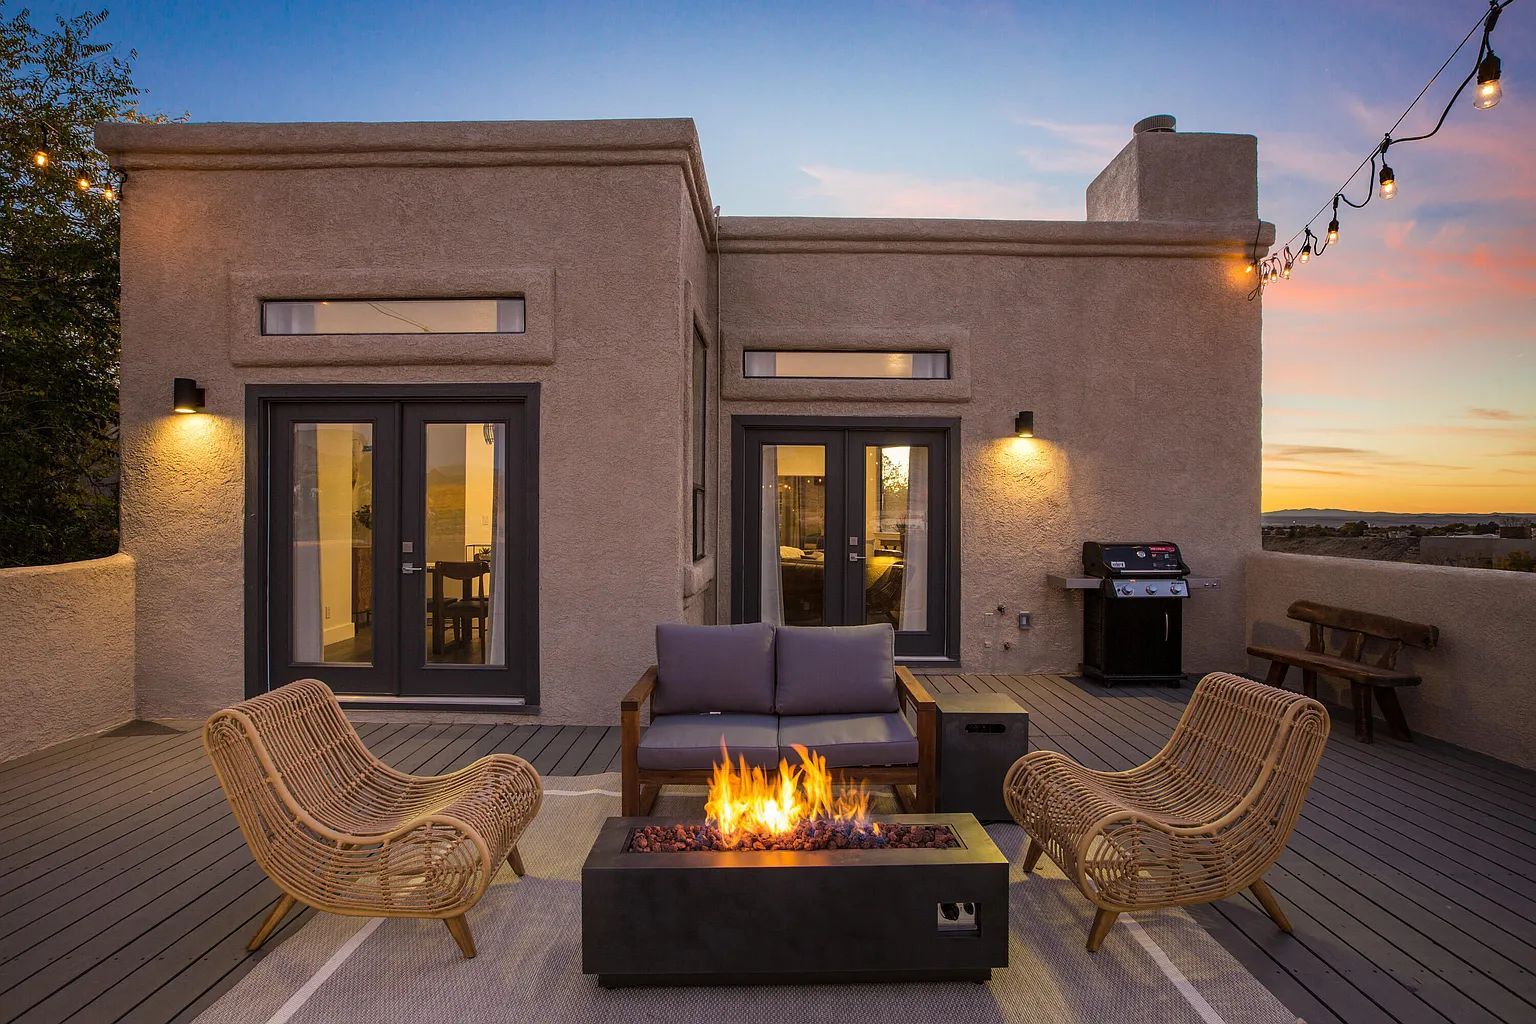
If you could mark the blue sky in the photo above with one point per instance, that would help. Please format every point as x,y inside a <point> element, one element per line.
<point>1399,369</point>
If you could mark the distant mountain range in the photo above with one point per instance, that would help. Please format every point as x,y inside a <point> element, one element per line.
<point>1334,516</point>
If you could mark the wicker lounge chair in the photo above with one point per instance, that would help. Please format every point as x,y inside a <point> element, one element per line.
<point>1203,820</point>
<point>341,831</point>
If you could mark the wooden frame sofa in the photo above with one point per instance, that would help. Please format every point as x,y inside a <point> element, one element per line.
<point>760,690</point>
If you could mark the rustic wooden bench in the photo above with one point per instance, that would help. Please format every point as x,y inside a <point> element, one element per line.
<point>1367,680</point>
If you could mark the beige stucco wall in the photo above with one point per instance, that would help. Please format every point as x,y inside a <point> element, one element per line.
<point>1477,688</point>
<point>1134,346</point>
<point>1132,342</point>
<point>68,639</point>
<point>592,214</point>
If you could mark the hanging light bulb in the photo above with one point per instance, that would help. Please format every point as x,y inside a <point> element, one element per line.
<point>1489,91</point>
<point>40,158</point>
<point>1388,181</point>
<point>108,194</point>
<point>1286,273</point>
<point>1306,245</point>
<point>83,183</point>
<point>1333,231</point>
<point>1249,268</point>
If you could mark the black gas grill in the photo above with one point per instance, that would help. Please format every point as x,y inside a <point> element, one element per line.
<point>1133,622</point>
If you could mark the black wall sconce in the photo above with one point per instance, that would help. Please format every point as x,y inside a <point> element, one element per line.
<point>186,396</point>
<point>1024,425</point>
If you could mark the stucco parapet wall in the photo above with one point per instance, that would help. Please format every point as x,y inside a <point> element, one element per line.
<point>323,144</point>
<point>932,236</point>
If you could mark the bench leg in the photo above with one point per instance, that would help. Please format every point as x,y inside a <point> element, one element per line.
<point>648,795</point>
<point>1365,730</point>
<point>1277,671</point>
<point>1309,683</point>
<point>1392,711</point>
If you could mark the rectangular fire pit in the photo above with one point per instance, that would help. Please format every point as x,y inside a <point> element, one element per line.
<point>742,917</point>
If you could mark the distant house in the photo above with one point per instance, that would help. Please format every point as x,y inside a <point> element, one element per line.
<point>475,405</point>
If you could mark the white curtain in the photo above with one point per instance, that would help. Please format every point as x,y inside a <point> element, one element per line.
<point>771,591</point>
<point>495,629</point>
<point>308,610</point>
<point>930,365</point>
<point>914,573</point>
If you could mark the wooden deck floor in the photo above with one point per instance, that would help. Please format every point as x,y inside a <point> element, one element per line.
<point>126,893</point>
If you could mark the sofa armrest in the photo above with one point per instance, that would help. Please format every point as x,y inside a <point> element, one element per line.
<point>911,691</point>
<point>638,694</point>
<point>914,693</point>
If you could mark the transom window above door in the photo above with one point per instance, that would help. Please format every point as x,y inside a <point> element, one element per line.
<point>393,316</point>
<point>826,363</point>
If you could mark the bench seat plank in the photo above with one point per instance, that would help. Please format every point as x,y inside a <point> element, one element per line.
<point>1331,665</point>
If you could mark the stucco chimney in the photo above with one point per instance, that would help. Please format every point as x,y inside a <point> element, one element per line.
<point>1166,175</point>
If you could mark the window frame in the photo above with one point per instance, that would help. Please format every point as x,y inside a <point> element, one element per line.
<point>699,430</point>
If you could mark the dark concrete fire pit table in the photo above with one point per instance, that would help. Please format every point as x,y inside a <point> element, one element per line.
<point>791,916</point>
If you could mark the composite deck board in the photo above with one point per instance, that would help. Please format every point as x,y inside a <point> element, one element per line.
<point>1411,878</point>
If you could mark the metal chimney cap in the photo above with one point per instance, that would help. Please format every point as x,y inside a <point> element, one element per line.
<point>1155,123</point>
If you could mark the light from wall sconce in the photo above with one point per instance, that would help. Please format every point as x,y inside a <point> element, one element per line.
<point>186,396</point>
<point>1024,425</point>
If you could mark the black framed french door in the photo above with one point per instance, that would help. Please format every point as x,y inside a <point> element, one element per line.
<point>848,521</point>
<point>394,547</point>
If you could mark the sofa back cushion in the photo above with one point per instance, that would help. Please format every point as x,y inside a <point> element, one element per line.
<point>835,670</point>
<point>713,668</point>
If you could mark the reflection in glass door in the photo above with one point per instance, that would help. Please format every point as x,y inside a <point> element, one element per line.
<point>465,543</point>
<point>794,533</point>
<point>332,601</point>
<point>846,525</point>
<point>896,535</point>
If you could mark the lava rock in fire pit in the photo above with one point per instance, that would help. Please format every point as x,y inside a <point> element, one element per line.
<point>807,835</point>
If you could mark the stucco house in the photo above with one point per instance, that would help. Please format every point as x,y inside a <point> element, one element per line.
<point>476,405</point>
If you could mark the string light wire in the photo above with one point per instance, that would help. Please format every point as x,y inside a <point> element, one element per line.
<point>1486,22</point>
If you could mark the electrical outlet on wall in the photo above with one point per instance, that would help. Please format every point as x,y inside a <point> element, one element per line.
<point>986,644</point>
<point>1025,620</point>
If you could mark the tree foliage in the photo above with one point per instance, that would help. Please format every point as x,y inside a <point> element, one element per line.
<point>58,289</point>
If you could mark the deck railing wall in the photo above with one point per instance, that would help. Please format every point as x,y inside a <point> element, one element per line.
<point>1479,688</point>
<point>67,636</point>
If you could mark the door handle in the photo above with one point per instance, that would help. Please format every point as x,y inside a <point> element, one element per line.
<point>854,557</point>
<point>406,568</point>
<point>1167,625</point>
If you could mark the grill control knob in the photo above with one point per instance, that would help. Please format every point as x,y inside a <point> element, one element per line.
<point>1151,588</point>
<point>1126,590</point>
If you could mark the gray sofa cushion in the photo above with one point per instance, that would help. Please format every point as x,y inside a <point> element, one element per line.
<point>693,741</point>
<point>713,668</point>
<point>849,741</point>
<point>835,670</point>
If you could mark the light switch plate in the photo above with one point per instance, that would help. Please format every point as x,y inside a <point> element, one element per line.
<point>1024,620</point>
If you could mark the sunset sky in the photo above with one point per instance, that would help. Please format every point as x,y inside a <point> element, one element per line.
<point>1400,368</point>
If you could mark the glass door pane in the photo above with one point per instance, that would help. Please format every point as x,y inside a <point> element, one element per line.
<point>332,597</point>
<point>465,541</point>
<point>896,535</point>
<point>793,545</point>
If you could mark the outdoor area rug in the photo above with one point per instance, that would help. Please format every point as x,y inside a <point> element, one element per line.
<point>1158,967</point>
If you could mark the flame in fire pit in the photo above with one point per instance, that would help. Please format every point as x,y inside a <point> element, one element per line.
<point>746,802</point>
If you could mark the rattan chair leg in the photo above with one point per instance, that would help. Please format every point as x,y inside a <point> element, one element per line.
<point>1101,925</point>
<point>270,924</point>
<point>459,929</point>
<point>1033,856</point>
<point>1271,905</point>
<point>516,860</point>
